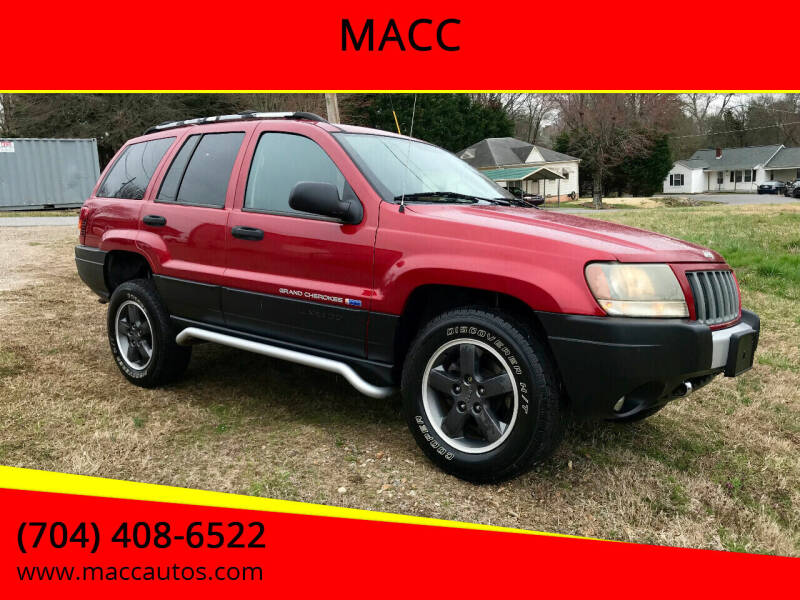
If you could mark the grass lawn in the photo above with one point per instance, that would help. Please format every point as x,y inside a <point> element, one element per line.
<point>719,469</point>
<point>634,202</point>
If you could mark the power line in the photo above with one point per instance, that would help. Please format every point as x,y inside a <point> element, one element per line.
<point>735,130</point>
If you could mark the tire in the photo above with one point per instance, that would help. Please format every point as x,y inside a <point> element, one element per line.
<point>481,433</point>
<point>138,322</point>
<point>640,416</point>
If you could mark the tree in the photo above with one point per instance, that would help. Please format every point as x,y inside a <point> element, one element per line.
<point>314,103</point>
<point>453,121</point>
<point>534,111</point>
<point>5,115</point>
<point>643,175</point>
<point>606,130</point>
<point>112,119</point>
<point>702,108</point>
<point>528,112</point>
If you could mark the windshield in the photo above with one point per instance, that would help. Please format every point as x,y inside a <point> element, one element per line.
<point>430,170</point>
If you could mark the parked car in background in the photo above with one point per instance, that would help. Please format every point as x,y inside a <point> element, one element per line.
<point>792,189</point>
<point>771,187</point>
<point>534,199</point>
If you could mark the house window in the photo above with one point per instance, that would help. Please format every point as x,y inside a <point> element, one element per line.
<point>719,178</point>
<point>676,179</point>
<point>732,175</point>
<point>748,176</point>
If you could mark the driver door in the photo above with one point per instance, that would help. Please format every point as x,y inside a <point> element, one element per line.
<point>293,276</point>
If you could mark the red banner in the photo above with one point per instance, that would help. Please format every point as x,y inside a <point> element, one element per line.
<point>621,45</point>
<point>130,545</point>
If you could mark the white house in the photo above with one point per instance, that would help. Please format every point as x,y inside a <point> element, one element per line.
<point>785,165</point>
<point>732,169</point>
<point>535,169</point>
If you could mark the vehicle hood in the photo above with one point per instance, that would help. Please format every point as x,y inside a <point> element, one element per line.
<point>626,244</point>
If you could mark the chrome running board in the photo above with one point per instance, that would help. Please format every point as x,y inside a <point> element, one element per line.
<point>309,360</point>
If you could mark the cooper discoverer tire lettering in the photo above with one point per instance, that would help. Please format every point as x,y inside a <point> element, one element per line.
<point>480,395</point>
<point>141,336</point>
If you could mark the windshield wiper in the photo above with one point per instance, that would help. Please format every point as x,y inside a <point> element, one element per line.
<point>521,202</point>
<point>420,196</point>
<point>417,196</point>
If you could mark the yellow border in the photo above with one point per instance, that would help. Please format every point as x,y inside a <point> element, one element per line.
<point>63,483</point>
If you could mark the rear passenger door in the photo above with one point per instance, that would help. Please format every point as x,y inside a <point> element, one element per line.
<point>184,226</point>
<point>300,278</point>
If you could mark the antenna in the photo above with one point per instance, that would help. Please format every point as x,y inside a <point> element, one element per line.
<point>408,155</point>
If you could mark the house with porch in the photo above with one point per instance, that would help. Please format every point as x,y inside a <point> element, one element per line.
<point>533,168</point>
<point>732,169</point>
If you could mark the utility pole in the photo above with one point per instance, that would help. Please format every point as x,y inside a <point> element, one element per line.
<point>332,105</point>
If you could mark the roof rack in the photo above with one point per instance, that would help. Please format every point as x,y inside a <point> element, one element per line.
<point>242,116</point>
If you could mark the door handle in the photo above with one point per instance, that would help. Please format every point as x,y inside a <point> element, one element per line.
<point>154,220</point>
<point>247,233</point>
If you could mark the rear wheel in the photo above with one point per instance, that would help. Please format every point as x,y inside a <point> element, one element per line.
<point>480,396</point>
<point>141,336</point>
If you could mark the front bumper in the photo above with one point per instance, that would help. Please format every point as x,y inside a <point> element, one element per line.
<point>647,361</point>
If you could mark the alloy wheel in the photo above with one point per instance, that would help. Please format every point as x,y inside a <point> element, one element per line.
<point>134,335</point>
<point>470,396</point>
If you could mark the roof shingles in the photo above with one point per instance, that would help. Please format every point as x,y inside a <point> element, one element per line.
<point>787,158</point>
<point>734,158</point>
<point>498,152</point>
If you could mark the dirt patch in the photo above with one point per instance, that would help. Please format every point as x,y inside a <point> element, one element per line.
<point>27,255</point>
<point>716,470</point>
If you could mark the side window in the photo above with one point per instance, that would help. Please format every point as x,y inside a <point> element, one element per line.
<point>133,169</point>
<point>201,170</point>
<point>172,180</point>
<point>280,161</point>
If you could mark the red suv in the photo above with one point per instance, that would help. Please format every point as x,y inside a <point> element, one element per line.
<point>393,263</point>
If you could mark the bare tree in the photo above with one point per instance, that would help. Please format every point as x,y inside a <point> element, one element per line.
<point>510,103</point>
<point>702,107</point>
<point>284,102</point>
<point>5,115</point>
<point>528,112</point>
<point>535,110</point>
<point>607,129</point>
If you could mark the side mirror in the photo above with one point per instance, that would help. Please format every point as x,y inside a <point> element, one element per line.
<point>323,199</point>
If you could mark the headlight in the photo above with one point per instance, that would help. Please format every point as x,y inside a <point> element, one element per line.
<point>631,290</point>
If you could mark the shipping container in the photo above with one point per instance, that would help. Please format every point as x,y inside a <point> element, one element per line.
<point>46,173</point>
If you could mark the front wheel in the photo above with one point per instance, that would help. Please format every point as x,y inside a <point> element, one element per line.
<point>481,396</point>
<point>141,336</point>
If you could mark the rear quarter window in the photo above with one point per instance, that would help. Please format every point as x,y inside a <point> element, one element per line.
<point>133,169</point>
<point>201,170</point>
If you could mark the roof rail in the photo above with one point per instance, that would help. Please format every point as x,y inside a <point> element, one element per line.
<point>242,116</point>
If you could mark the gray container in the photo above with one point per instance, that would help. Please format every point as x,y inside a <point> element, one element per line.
<point>46,173</point>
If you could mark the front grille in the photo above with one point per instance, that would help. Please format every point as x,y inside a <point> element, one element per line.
<point>716,296</point>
